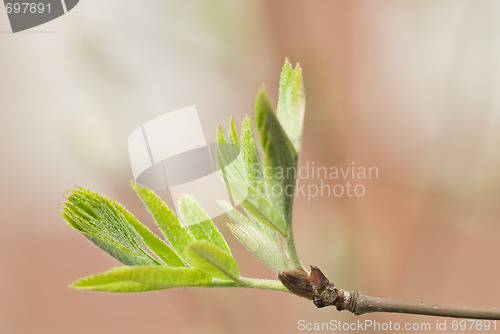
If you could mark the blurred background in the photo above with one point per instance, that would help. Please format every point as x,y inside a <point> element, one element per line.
<point>410,87</point>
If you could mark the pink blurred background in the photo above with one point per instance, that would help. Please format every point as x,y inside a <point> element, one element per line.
<point>411,87</point>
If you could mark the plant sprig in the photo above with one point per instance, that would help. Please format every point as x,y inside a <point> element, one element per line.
<point>193,253</point>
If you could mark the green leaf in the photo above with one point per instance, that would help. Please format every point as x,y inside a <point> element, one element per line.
<point>155,244</point>
<point>200,224</point>
<point>210,259</point>
<point>221,136</point>
<point>249,192</point>
<point>103,222</point>
<point>229,161</point>
<point>169,224</point>
<point>259,239</point>
<point>251,158</point>
<point>258,206</point>
<point>280,157</point>
<point>143,278</point>
<point>120,253</point>
<point>233,134</point>
<point>291,104</point>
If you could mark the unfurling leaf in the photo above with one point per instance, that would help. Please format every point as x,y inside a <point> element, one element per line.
<point>229,161</point>
<point>110,226</point>
<point>155,244</point>
<point>233,134</point>
<point>244,178</point>
<point>260,240</point>
<point>143,278</point>
<point>280,157</point>
<point>251,159</point>
<point>200,224</point>
<point>292,103</point>
<point>258,206</point>
<point>169,224</point>
<point>211,260</point>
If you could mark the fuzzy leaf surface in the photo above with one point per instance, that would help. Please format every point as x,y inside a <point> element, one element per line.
<point>291,103</point>
<point>280,157</point>
<point>229,161</point>
<point>260,240</point>
<point>258,206</point>
<point>211,260</point>
<point>244,179</point>
<point>251,159</point>
<point>200,224</point>
<point>102,221</point>
<point>143,278</point>
<point>167,221</point>
<point>155,244</point>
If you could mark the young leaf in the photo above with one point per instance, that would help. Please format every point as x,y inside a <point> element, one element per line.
<point>166,219</point>
<point>200,224</point>
<point>258,206</point>
<point>143,278</point>
<point>259,239</point>
<point>249,192</point>
<point>97,218</point>
<point>291,104</point>
<point>280,157</point>
<point>229,161</point>
<point>155,244</point>
<point>124,255</point>
<point>210,259</point>
<point>233,134</point>
<point>251,158</point>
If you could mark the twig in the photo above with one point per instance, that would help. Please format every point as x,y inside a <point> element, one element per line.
<point>358,303</point>
<point>317,287</point>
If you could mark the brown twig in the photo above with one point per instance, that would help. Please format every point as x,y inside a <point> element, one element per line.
<point>359,303</point>
<point>323,293</point>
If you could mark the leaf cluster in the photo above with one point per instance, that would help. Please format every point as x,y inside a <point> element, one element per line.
<point>260,176</point>
<point>265,187</point>
<point>196,255</point>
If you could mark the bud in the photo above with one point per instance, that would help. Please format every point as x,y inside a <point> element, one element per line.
<point>299,282</point>
<point>319,280</point>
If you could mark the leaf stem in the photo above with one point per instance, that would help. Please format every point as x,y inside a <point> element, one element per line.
<point>252,283</point>
<point>292,250</point>
<point>358,303</point>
